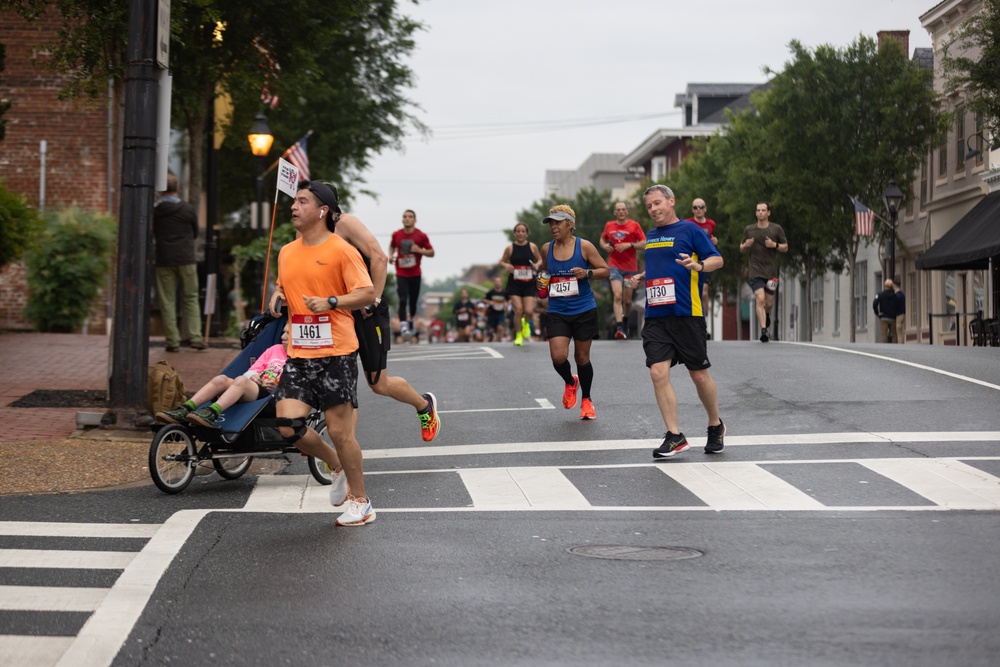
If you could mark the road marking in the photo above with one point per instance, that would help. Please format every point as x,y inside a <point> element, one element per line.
<point>521,488</point>
<point>66,559</point>
<point>543,404</point>
<point>23,650</point>
<point>49,528</point>
<point>731,441</point>
<point>50,598</point>
<point>101,637</point>
<point>739,486</point>
<point>956,376</point>
<point>444,353</point>
<point>948,483</point>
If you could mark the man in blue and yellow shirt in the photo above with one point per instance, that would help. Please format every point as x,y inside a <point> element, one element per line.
<point>676,252</point>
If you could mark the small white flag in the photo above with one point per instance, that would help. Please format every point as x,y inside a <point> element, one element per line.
<point>288,177</point>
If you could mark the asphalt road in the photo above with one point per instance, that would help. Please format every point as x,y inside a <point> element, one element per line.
<point>852,519</point>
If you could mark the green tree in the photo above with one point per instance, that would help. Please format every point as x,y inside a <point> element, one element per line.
<point>19,222</point>
<point>970,60</point>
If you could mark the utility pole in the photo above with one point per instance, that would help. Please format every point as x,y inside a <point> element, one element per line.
<point>130,335</point>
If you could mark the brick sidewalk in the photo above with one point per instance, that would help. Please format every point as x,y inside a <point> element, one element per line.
<point>33,361</point>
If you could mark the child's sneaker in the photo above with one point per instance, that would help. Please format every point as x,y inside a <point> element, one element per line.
<point>175,416</point>
<point>203,417</point>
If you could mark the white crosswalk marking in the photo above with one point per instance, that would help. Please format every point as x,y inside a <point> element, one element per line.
<point>83,560</point>
<point>739,486</point>
<point>22,650</point>
<point>522,488</point>
<point>50,598</point>
<point>948,483</point>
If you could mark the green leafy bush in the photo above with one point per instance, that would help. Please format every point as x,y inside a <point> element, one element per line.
<point>66,267</point>
<point>19,222</point>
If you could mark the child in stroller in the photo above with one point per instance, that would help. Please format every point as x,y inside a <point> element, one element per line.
<point>256,383</point>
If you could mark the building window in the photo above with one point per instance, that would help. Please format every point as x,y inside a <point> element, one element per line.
<point>861,296</point>
<point>836,305</point>
<point>912,302</point>
<point>923,184</point>
<point>943,155</point>
<point>816,304</point>
<point>979,139</point>
<point>960,139</point>
<point>950,300</point>
<point>658,168</point>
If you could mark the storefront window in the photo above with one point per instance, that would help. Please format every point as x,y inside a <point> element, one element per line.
<point>950,302</point>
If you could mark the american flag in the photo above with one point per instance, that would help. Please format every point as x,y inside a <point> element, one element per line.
<point>297,155</point>
<point>864,219</point>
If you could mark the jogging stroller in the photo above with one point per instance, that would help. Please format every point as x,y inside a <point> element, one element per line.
<point>241,432</point>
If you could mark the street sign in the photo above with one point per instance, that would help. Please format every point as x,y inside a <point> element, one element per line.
<point>163,34</point>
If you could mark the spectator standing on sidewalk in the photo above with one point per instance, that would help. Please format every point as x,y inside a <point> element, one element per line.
<point>407,248</point>
<point>886,307</point>
<point>674,332</point>
<point>764,240</point>
<point>175,227</point>
<point>620,239</point>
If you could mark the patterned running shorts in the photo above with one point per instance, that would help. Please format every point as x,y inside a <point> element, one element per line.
<point>320,383</point>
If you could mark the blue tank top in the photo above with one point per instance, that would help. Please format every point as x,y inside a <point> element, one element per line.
<point>569,305</point>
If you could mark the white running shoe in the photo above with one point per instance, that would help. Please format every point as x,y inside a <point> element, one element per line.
<point>359,512</point>
<point>338,491</point>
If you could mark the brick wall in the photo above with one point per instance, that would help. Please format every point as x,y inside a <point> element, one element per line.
<point>77,142</point>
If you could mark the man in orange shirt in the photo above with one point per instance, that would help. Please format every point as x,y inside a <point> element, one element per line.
<point>323,278</point>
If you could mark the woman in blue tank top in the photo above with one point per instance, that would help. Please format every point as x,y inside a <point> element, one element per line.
<point>572,314</point>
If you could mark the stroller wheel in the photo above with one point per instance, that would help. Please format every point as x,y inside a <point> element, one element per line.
<point>172,458</point>
<point>232,467</point>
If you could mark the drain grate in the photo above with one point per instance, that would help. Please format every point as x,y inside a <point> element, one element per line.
<point>627,552</point>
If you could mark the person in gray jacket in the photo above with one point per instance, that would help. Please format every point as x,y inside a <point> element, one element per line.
<point>175,227</point>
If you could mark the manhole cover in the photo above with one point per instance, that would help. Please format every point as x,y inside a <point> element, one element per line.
<point>624,552</point>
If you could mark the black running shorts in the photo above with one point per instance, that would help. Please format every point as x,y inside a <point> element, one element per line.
<point>320,383</point>
<point>374,339</point>
<point>678,339</point>
<point>577,327</point>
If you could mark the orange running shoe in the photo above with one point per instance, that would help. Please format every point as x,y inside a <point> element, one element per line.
<point>587,409</point>
<point>430,422</point>
<point>569,395</point>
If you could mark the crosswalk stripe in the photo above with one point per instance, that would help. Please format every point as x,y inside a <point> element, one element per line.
<point>948,483</point>
<point>50,598</point>
<point>23,650</point>
<point>55,528</point>
<point>521,488</point>
<point>739,486</point>
<point>82,560</point>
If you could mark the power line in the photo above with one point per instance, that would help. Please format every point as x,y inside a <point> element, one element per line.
<point>499,130</point>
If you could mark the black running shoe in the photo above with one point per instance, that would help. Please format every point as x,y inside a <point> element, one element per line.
<point>714,444</point>
<point>673,444</point>
<point>763,336</point>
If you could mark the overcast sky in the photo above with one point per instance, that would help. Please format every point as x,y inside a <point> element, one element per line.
<point>508,66</point>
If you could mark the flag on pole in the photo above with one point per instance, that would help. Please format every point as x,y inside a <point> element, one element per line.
<point>864,219</point>
<point>288,179</point>
<point>297,156</point>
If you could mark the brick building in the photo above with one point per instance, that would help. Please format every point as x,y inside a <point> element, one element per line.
<point>75,165</point>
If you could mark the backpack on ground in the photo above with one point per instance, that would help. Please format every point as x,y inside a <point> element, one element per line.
<point>165,389</point>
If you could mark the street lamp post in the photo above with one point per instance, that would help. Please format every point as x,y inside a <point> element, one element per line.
<point>893,197</point>
<point>260,139</point>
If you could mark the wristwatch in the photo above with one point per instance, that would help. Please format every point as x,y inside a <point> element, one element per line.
<point>333,302</point>
<point>590,273</point>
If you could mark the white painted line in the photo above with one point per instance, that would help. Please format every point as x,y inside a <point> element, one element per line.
<point>57,558</point>
<point>543,404</point>
<point>739,486</point>
<point>277,493</point>
<point>520,488</point>
<point>731,441</point>
<point>964,378</point>
<point>109,626</point>
<point>50,598</point>
<point>426,354</point>
<point>22,650</point>
<point>54,528</point>
<point>947,483</point>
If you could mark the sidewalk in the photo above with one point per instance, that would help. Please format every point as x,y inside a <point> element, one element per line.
<point>33,361</point>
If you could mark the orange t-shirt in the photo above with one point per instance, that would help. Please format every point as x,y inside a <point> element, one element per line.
<point>332,268</point>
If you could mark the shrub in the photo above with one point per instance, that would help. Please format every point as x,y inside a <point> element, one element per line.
<point>19,222</point>
<point>66,268</point>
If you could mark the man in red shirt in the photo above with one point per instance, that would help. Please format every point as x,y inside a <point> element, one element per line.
<point>620,239</point>
<point>698,211</point>
<point>408,246</point>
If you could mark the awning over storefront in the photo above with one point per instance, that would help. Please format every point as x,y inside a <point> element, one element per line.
<point>970,243</point>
